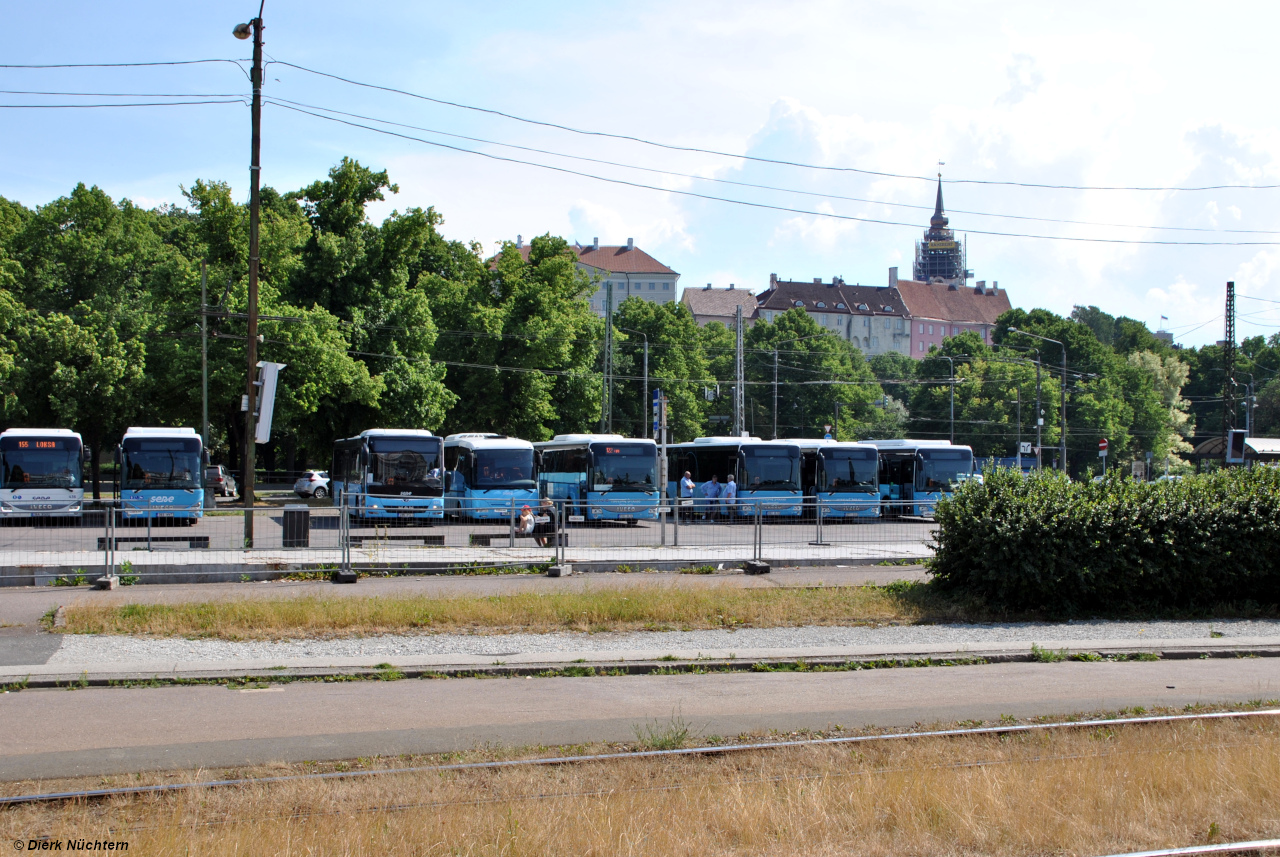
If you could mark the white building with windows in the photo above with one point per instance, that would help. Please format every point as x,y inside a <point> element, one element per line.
<point>629,270</point>
<point>872,318</point>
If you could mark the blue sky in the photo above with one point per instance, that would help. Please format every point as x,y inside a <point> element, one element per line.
<point>1093,94</point>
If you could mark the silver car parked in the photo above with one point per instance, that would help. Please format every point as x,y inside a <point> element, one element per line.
<point>312,483</point>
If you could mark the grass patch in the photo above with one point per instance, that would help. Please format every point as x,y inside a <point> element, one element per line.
<point>654,607</point>
<point>1041,793</point>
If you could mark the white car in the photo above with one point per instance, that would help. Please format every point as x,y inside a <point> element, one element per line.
<point>312,483</point>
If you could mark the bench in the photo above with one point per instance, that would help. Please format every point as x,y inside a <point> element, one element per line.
<point>485,540</point>
<point>193,542</point>
<point>357,541</point>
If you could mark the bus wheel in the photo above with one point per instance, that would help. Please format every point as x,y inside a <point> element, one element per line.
<point>633,523</point>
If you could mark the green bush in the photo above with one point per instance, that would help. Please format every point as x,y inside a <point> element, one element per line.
<point>1043,542</point>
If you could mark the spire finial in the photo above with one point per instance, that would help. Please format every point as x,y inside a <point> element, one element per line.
<point>939,219</point>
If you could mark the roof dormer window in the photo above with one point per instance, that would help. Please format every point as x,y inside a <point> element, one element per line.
<point>821,305</point>
<point>864,307</point>
<point>839,306</point>
<point>888,309</point>
<point>799,303</point>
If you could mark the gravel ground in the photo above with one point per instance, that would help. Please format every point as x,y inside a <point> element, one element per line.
<point>79,649</point>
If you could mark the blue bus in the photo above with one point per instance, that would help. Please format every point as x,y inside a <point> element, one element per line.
<point>842,477</point>
<point>160,475</point>
<point>488,475</point>
<point>389,474</point>
<point>43,476</point>
<point>601,477</point>
<point>767,472</point>
<point>915,474</point>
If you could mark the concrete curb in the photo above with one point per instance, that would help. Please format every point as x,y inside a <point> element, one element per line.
<point>597,663</point>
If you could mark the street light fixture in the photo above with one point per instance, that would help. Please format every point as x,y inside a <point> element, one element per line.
<point>244,31</point>
<point>1062,429</point>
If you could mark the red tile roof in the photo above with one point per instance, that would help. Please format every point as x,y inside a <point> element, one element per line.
<point>964,304</point>
<point>615,260</point>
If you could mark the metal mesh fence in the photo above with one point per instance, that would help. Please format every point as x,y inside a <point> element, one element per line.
<point>317,537</point>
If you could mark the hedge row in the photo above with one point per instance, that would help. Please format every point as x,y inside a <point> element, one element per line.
<point>1043,542</point>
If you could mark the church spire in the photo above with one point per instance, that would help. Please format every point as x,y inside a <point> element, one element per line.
<point>939,220</point>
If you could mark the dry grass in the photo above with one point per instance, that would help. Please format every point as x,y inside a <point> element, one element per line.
<point>1073,792</point>
<point>623,609</point>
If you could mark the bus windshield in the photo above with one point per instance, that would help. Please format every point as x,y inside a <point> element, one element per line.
<point>943,469</point>
<point>623,467</point>
<point>776,469</point>
<point>850,471</point>
<point>31,462</point>
<point>405,463</point>
<point>503,468</point>
<point>161,463</point>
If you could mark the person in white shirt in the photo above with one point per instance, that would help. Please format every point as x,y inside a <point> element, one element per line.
<point>686,493</point>
<point>729,497</point>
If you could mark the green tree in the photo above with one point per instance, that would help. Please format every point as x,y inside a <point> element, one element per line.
<point>677,365</point>
<point>525,367</point>
<point>815,370</point>
<point>989,384</point>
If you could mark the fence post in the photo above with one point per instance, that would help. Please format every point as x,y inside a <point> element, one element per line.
<point>149,511</point>
<point>511,522</point>
<point>759,547</point>
<point>344,537</point>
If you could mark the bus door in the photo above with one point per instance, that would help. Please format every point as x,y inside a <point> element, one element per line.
<point>898,480</point>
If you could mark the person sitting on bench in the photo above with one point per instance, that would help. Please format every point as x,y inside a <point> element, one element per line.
<point>525,523</point>
<point>543,531</point>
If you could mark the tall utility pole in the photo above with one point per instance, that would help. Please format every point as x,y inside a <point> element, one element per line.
<point>1039,411</point>
<point>952,383</point>
<point>1229,364</point>
<point>738,416</point>
<point>244,31</point>
<point>644,403</point>
<point>204,354</point>
<point>775,392</point>
<point>1062,429</point>
<point>606,390</point>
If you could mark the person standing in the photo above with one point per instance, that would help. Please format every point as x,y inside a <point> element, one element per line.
<point>729,497</point>
<point>686,496</point>
<point>711,497</point>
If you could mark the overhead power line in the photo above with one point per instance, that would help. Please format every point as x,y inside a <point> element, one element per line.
<point>121,64</point>
<point>240,100</point>
<point>756,186</point>
<point>699,150</point>
<point>761,205</point>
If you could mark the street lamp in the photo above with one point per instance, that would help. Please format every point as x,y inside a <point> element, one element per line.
<point>775,376</point>
<point>1062,430</point>
<point>245,31</point>
<point>644,403</point>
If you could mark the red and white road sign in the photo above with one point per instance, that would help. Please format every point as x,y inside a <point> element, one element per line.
<point>1102,447</point>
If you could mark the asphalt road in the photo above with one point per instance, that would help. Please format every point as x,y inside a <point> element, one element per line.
<point>56,733</point>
